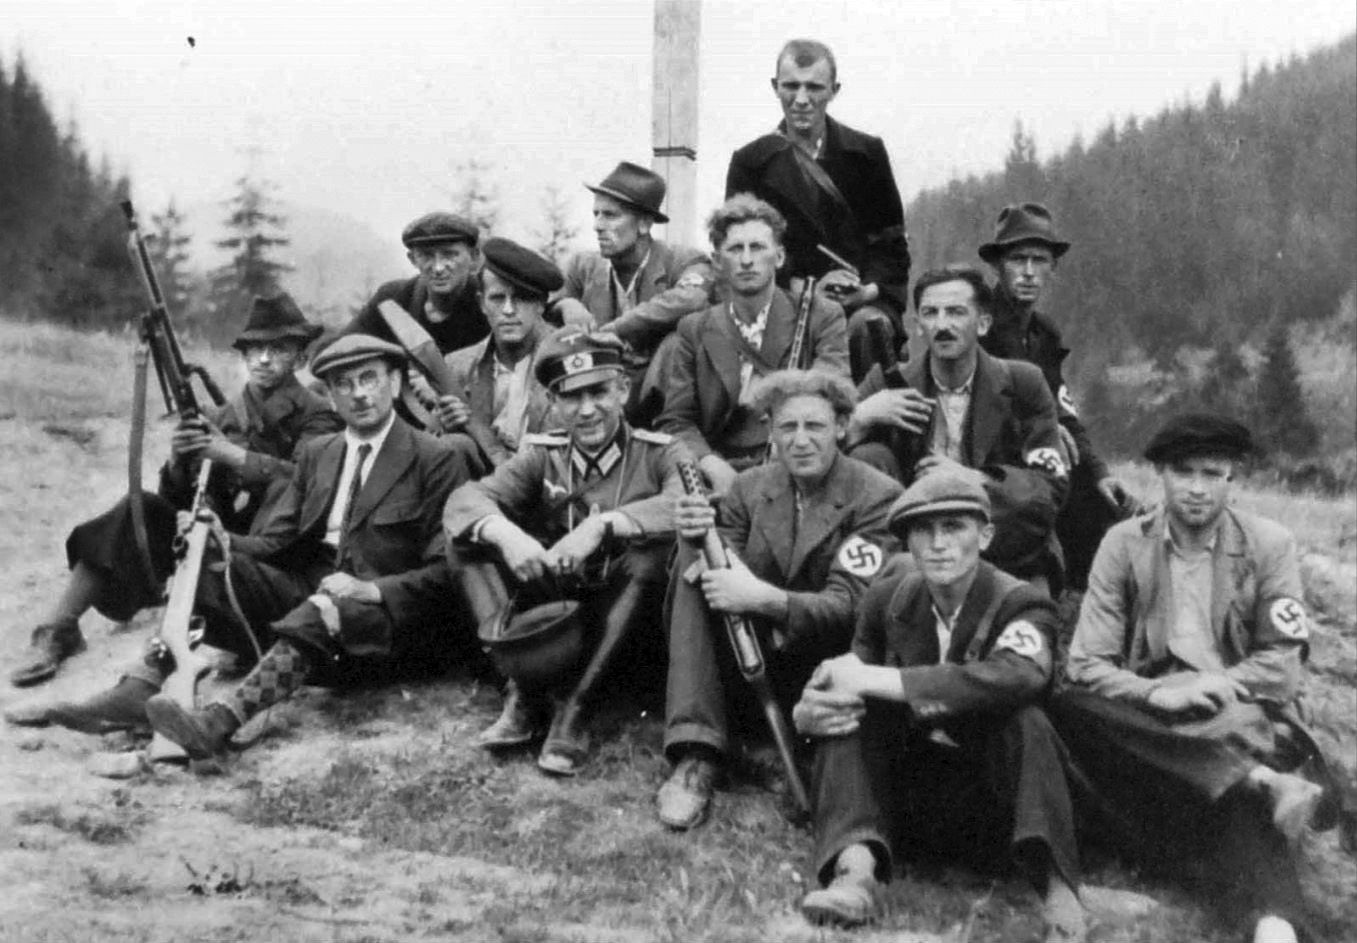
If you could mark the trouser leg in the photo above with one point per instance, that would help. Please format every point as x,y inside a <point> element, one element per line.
<point>695,701</point>
<point>114,580</point>
<point>265,593</point>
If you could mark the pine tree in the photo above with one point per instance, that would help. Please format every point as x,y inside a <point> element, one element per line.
<point>558,232</point>
<point>1283,422</point>
<point>475,196</point>
<point>255,233</point>
<point>170,256</point>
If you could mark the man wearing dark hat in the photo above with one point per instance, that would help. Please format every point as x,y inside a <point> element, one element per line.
<point>250,440</point>
<point>635,285</point>
<point>1024,254</point>
<point>720,352</point>
<point>956,407</point>
<point>807,533</point>
<point>929,735</point>
<point>1186,666</point>
<point>494,382</point>
<point>442,297</point>
<point>835,188</point>
<point>586,512</point>
<point>347,575</point>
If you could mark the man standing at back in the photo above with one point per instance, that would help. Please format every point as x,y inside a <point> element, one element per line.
<point>835,187</point>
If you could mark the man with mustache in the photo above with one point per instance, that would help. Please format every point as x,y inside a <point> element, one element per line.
<point>806,534</point>
<point>1186,666</point>
<point>721,351</point>
<point>250,441</point>
<point>929,737</point>
<point>959,407</point>
<point>835,188</point>
<point>634,285</point>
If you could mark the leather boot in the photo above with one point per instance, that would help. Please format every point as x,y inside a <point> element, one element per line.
<point>51,644</point>
<point>685,798</point>
<point>567,743</point>
<point>850,900</point>
<point>202,734</point>
<point>123,706</point>
<point>521,720</point>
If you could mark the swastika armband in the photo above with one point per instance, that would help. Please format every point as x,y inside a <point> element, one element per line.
<point>691,280</point>
<point>861,557</point>
<point>1047,459</point>
<point>1022,638</point>
<point>1288,619</point>
<point>1065,400</point>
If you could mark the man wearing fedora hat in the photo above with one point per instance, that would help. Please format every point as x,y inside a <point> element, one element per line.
<point>346,578</point>
<point>585,511</point>
<point>250,440</point>
<point>835,188</point>
<point>442,296</point>
<point>1187,667</point>
<point>1024,254</point>
<point>634,285</point>
<point>929,734</point>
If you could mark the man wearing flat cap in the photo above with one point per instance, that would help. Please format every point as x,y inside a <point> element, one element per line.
<point>494,383</point>
<point>250,440</point>
<point>585,512</point>
<point>442,297</point>
<point>635,285</point>
<point>347,576</point>
<point>834,186</point>
<point>1186,667</point>
<point>1024,254</point>
<point>930,737</point>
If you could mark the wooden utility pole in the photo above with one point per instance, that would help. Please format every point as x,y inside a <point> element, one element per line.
<point>673,118</point>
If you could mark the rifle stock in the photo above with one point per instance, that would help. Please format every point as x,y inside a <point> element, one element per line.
<point>744,642</point>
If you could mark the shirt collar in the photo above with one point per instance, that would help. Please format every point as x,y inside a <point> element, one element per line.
<point>1172,544</point>
<point>602,461</point>
<point>376,440</point>
<point>962,390</point>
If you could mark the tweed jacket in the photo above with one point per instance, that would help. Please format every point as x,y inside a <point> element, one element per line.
<point>1258,618</point>
<point>675,281</point>
<point>704,382</point>
<point>464,326</point>
<point>473,371</point>
<point>395,536</point>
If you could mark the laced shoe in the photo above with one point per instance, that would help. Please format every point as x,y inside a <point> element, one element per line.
<point>202,734</point>
<point>51,644</point>
<point>685,798</point>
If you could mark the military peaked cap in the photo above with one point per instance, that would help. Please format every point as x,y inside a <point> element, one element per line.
<point>433,228</point>
<point>1023,222</point>
<point>571,358</point>
<point>274,317</point>
<point>522,268</point>
<point>1197,434</point>
<point>351,349</point>
<point>940,492</point>
<point>637,187</point>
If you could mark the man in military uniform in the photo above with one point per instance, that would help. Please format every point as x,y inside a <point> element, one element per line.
<point>1186,664</point>
<point>588,511</point>
<point>959,407</point>
<point>721,351</point>
<point>1024,254</point>
<point>835,188</point>
<point>636,286</point>
<point>494,381</point>
<point>347,575</point>
<point>442,297</point>
<point>250,441</point>
<point>806,533</point>
<point>930,737</point>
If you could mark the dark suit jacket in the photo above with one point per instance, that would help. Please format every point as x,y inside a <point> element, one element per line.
<point>871,236</point>
<point>704,382</point>
<point>465,325</point>
<point>395,534</point>
<point>822,563</point>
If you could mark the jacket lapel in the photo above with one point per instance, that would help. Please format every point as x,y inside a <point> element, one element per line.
<point>397,454</point>
<point>318,500</point>
<point>1150,568</point>
<point>598,292</point>
<point>990,393</point>
<point>722,343</point>
<point>480,390</point>
<point>819,519</point>
<point>774,520</point>
<point>777,336</point>
<point>1228,571</point>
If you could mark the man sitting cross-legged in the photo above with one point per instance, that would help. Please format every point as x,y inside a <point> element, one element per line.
<point>806,533</point>
<point>930,734</point>
<point>348,573</point>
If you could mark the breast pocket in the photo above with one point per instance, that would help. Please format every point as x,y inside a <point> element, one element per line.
<point>398,535</point>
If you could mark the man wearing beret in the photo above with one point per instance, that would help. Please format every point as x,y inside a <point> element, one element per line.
<point>250,441</point>
<point>585,512</point>
<point>720,352</point>
<point>493,380</point>
<point>959,407</point>
<point>806,534</point>
<point>1186,666</point>
<point>1024,254</point>
<point>347,576</point>
<point>442,297</point>
<point>929,734</point>
<point>835,188</point>
<point>636,286</point>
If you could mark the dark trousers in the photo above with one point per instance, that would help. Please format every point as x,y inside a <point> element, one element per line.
<point>1174,798</point>
<point>107,545</point>
<point>1000,794</point>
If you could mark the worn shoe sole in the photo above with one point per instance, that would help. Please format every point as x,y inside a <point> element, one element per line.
<point>839,906</point>
<point>72,717</point>
<point>176,724</point>
<point>681,809</point>
<point>37,672</point>
<point>492,739</point>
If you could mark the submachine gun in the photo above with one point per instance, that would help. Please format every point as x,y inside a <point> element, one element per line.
<point>744,642</point>
<point>175,375</point>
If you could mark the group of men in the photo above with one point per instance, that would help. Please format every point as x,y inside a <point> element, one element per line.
<point>897,518</point>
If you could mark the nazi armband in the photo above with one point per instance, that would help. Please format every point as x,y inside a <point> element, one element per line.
<point>1047,459</point>
<point>1283,618</point>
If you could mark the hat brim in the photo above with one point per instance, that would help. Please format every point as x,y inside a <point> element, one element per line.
<point>991,252</point>
<point>903,518</point>
<point>306,334</point>
<point>439,240</point>
<point>397,361</point>
<point>628,201</point>
<point>537,292</point>
<point>577,381</point>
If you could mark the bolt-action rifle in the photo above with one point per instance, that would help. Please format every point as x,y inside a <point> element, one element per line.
<point>748,652</point>
<point>160,346</point>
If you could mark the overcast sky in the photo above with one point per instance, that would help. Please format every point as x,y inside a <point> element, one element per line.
<point>366,107</point>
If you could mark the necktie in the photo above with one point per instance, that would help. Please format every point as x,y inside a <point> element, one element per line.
<point>355,485</point>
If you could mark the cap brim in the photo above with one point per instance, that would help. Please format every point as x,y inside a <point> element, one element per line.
<point>627,201</point>
<point>323,369</point>
<point>577,381</point>
<point>304,334</point>
<point>941,507</point>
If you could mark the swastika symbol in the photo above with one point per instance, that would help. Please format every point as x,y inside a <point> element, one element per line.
<point>1288,616</point>
<point>860,557</point>
<point>863,555</point>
